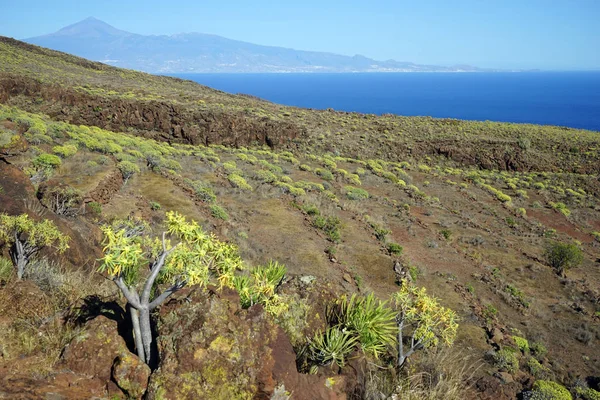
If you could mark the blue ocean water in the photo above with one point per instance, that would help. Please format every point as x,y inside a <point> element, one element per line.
<point>569,99</point>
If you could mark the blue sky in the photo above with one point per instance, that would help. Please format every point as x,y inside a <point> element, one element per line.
<point>545,34</point>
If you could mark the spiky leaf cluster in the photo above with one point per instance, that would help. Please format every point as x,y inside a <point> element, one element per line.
<point>196,259</point>
<point>431,322</point>
<point>36,234</point>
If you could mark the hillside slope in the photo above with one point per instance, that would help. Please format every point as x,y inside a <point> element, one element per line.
<point>349,202</point>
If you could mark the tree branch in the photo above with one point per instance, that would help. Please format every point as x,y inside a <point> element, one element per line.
<point>156,267</point>
<point>164,295</point>
<point>131,297</point>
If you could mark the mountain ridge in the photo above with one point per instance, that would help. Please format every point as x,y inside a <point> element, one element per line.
<point>200,52</point>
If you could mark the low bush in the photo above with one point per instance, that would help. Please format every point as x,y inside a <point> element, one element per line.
<point>354,193</point>
<point>394,248</point>
<point>239,182</point>
<point>202,190</point>
<point>330,225</point>
<point>94,208</point>
<point>563,256</point>
<point>507,360</point>
<point>46,161</point>
<point>549,390</point>
<point>219,212</point>
<point>65,151</point>
<point>128,169</point>
<point>324,173</point>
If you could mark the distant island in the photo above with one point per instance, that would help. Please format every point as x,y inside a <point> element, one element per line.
<point>205,53</point>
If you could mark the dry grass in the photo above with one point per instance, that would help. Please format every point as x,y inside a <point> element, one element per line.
<point>446,374</point>
<point>65,286</point>
<point>40,332</point>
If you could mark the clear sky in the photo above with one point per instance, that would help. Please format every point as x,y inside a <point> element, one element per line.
<point>545,34</point>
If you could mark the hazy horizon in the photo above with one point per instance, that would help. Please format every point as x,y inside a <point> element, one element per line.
<point>557,36</point>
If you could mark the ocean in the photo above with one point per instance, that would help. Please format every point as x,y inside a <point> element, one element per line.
<point>570,99</point>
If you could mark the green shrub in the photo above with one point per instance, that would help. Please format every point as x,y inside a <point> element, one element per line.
<point>311,209</point>
<point>380,231</point>
<point>128,169</point>
<point>507,360</point>
<point>394,248</point>
<point>239,182</point>
<point>489,313</point>
<point>562,208</point>
<point>563,256</point>
<point>230,167</point>
<point>273,168</point>
<point>549,390</point>
<point>446,233</point>
<point>414,272</point>
<point>94,208</point>
<point>324,173</point>
<point>536,369</point>
<point>218,212</point>
<point>521,343</point>
<point>266,176</point>
<point>353,179</point>
<point>46,161</point>
<point>304,167</point>
<point>354,193</point>
<point>155,206</point>
<point>202,190</point>
<point>65,151</point>
<point>330,225</point>
<point>538,349</point>
<point>287,188</point>
<point>588,393</point>
<point>503,197</point>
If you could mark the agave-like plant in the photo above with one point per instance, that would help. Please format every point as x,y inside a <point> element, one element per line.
<point>260,286</point>
<point>371,320</point>
<point>333,346</point>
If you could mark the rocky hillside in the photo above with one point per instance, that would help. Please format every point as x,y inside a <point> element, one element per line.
<point>474,212</point>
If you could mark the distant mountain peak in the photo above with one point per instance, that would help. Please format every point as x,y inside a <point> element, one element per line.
<point>91,27</point>
<point>199,52</point>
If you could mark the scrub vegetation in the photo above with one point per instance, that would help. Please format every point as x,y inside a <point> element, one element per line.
<point>192,240</point>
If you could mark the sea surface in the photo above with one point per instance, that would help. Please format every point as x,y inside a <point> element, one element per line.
<point>569,99</point>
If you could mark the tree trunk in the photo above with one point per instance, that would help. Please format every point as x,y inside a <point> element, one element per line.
<point>146,334</point>
<point>21,263</point>
<point>401,356</point>
<point>19,258</point>
<point>137,333</point>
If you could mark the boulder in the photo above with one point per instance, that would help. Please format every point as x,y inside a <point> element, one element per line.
<point>131,375</point>
<point>212,349</point>
<point>93,353</point>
